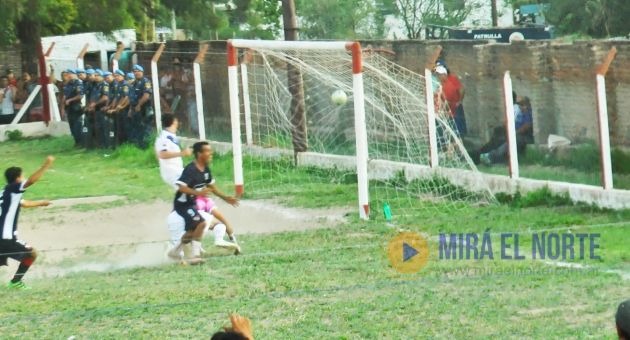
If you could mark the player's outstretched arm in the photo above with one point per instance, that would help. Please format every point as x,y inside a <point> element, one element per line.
<point>34,204</point>
<point>38,174</point>
<point>229,199</point>
<point>172,154</point>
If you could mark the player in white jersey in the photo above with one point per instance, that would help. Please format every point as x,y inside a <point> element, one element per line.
<point>168,151</point>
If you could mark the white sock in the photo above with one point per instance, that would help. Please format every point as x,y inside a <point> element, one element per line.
<point>178,248</point>
<point>219,231</point>
<point>196,248</point>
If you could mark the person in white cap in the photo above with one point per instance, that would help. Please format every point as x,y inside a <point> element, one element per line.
<point>453,93</point>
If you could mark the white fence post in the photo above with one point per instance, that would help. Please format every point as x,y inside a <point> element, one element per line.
<point>509,121</point>
<point>433,149</point>
<point>604,133</point>
<point>198,91</point>
<point>155,79</point>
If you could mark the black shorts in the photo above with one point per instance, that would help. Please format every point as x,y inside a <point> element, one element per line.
<point>191,217</point>
<point>14,249</point>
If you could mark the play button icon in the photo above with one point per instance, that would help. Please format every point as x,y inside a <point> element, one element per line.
<point>408,252</point>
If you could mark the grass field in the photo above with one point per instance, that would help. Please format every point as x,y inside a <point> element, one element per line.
<point>322,284</point>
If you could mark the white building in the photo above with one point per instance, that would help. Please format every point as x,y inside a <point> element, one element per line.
<point>67,48</point>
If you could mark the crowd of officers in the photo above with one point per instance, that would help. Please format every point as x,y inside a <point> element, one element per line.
<point>106,109</point>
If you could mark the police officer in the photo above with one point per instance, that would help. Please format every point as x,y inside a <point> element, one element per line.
<point>141,107</point>
<point>99,95</point>
<point>72,96</point>
<point>127,111</point>
<point>119,101</point>
<point>87,84</point>
<point>109,124</point>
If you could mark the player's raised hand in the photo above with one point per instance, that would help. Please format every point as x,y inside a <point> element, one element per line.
<point>242,325</point>
<point>49,160</point>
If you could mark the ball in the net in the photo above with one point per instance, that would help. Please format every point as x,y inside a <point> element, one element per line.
<point>339,97</point>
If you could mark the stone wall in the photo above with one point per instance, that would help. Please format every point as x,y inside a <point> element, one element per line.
<point>558,77</point>
<point>10,59</point>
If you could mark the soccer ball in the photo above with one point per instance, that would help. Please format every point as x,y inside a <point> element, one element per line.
<point>339,97</point>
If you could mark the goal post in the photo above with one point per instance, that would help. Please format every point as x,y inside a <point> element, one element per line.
<point>359,106</point>
<point>375,138</point>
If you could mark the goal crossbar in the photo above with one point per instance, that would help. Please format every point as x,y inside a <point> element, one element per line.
<point>294,45</point>
<point>359,105</point>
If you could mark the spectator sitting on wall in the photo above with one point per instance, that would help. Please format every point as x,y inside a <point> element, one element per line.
<point>523,123</point>
<point>622,320</point>
<point>7,97</point>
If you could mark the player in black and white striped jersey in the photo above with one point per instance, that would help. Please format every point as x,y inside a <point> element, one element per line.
<point>10,203</point>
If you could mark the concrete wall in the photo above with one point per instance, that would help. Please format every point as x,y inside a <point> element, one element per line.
<point>10,59</point>
<point>558,77</point>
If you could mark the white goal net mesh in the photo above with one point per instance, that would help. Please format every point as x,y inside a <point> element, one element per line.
<point>297,137</point>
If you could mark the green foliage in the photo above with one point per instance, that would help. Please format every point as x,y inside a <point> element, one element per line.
<point>351,19</point>
<point>538,198</point>
<point>105,15</point>
<point>416,14</point>
<point>583,157</point>
<point>596,18</point>
<point>14,135</point>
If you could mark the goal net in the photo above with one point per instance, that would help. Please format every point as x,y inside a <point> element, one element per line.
<point>323,118</point>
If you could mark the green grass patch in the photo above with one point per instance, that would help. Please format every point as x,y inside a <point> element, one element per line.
<point>329,283</point>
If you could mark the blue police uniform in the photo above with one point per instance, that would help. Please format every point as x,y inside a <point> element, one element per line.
<point>142,121</point>
<point>73,110</point>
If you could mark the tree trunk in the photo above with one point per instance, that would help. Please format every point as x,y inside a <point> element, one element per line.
<point>495,14</point>
<point>296,83</point>
<point>28,32</point>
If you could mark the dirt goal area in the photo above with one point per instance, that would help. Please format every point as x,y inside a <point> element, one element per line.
<point>108,233</point>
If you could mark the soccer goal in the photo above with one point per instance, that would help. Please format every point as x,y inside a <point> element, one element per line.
<point>311,113</point>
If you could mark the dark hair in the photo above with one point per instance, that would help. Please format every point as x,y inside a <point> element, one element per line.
<point>168,119</point>
<point>228,336</point>
<point>12,174</point>
<point>197,147</point>
<point>525,101</point>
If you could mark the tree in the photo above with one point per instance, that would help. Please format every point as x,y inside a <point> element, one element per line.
<point>418,14</point>
<point>28,20</point>
<point>597,18</point>
<point>351,19</point>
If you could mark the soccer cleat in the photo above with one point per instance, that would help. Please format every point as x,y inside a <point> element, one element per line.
<point>228,245</point>
<point>18,285</point>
